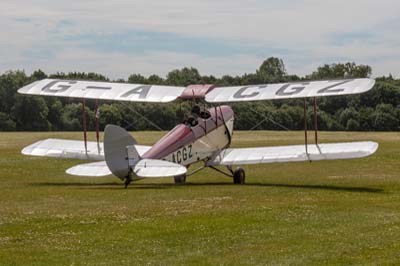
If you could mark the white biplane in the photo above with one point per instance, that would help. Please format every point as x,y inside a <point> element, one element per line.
<point>204,137</point>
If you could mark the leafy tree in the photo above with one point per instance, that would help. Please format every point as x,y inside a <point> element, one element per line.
<point>156,80</point>
<point>352,125</point>
<point>366,118</point>
<point>6,123</point>
<point>80,76</point>
<point>137,79</point>
<point>208,80</point>
<point>296,113</point>
<point>229,81</point>
<point>184,77</point>
<point>385,118</point>
<point>250,79</point>
<point>348,114</point>
<point>55,113</point>
<point>271,70</point>
<point>10,82</point>
<point>30,113</point>
<point>72,117</point>
<point>328,122</point>
<point>38,75</point>
<point>110,114</point>
<point>338,71</point>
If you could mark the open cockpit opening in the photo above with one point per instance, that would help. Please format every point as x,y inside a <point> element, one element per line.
<point>197,113</point>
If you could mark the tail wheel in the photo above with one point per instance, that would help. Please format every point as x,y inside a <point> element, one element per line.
<point>180,179</point>
<point>239,176</point>
<point>128,180</point>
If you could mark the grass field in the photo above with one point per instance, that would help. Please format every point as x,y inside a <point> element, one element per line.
<point>319,213</point>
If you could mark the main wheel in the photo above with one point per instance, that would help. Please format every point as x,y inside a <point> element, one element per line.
<point>239,176</point>
<point>180,179</point>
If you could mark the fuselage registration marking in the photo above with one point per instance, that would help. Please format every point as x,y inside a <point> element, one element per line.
<point>183,154</point>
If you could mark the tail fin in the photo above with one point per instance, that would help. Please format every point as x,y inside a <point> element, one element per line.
<point>119,151</point>
<point>122,157</point>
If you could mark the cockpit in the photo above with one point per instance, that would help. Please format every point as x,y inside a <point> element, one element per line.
<point>196,113</point>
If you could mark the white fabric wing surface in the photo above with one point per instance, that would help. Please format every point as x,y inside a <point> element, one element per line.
<point>144,168</point>
<point>296,153</point>
<point>95,169</point>
<point>72,149</point>
<point>158,168</point>
<point>103,90</point>
<point>289,90</point>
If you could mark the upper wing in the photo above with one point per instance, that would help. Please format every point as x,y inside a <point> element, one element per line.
<point>295,153</point>
<point>289,90</point>
<point>156,93</point>
<point>103,90</point>
<point>73,149</point>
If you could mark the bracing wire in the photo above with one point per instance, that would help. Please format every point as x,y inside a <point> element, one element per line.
<point>143,117</point>
<point>269,119</point>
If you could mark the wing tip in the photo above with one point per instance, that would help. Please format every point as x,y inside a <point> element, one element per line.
<point>374,147</point>
<point>25,89</point>
<point>369,84</point>
<point>28,150</point>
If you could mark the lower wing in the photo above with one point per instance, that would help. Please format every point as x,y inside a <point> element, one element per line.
<point>71,149</point>
<point>75,149</point>
<point>296,153</point>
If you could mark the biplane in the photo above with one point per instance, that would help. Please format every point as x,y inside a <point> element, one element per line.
<point>205,136</point>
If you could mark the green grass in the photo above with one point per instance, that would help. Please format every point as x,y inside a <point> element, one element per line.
<point>319,213</point>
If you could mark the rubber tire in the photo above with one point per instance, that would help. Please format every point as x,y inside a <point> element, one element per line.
<point>239,176</point>
<point>180,179</point>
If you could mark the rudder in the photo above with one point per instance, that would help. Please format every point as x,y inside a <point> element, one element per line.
<point>119,151</point>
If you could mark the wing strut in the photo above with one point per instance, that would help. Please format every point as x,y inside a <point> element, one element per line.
<point>97,113</point>
<point>315,117</point>
<point>315,121</point>
<point>216,117</point>
<point>84,123</point>
<point>305,126</point>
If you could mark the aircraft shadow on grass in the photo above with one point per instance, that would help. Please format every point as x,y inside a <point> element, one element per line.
<point>116,185</point>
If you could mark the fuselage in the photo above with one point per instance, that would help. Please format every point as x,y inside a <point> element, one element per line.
<point>186,144</point>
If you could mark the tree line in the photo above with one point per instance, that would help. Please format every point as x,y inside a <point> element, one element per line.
<point>376,110</point>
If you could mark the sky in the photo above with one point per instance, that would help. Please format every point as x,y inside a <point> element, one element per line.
<point>121,37</point>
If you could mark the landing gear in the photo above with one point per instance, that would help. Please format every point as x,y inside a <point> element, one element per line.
<point>128,180</point>
<point>239,176</point>
<point>180,179</point>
